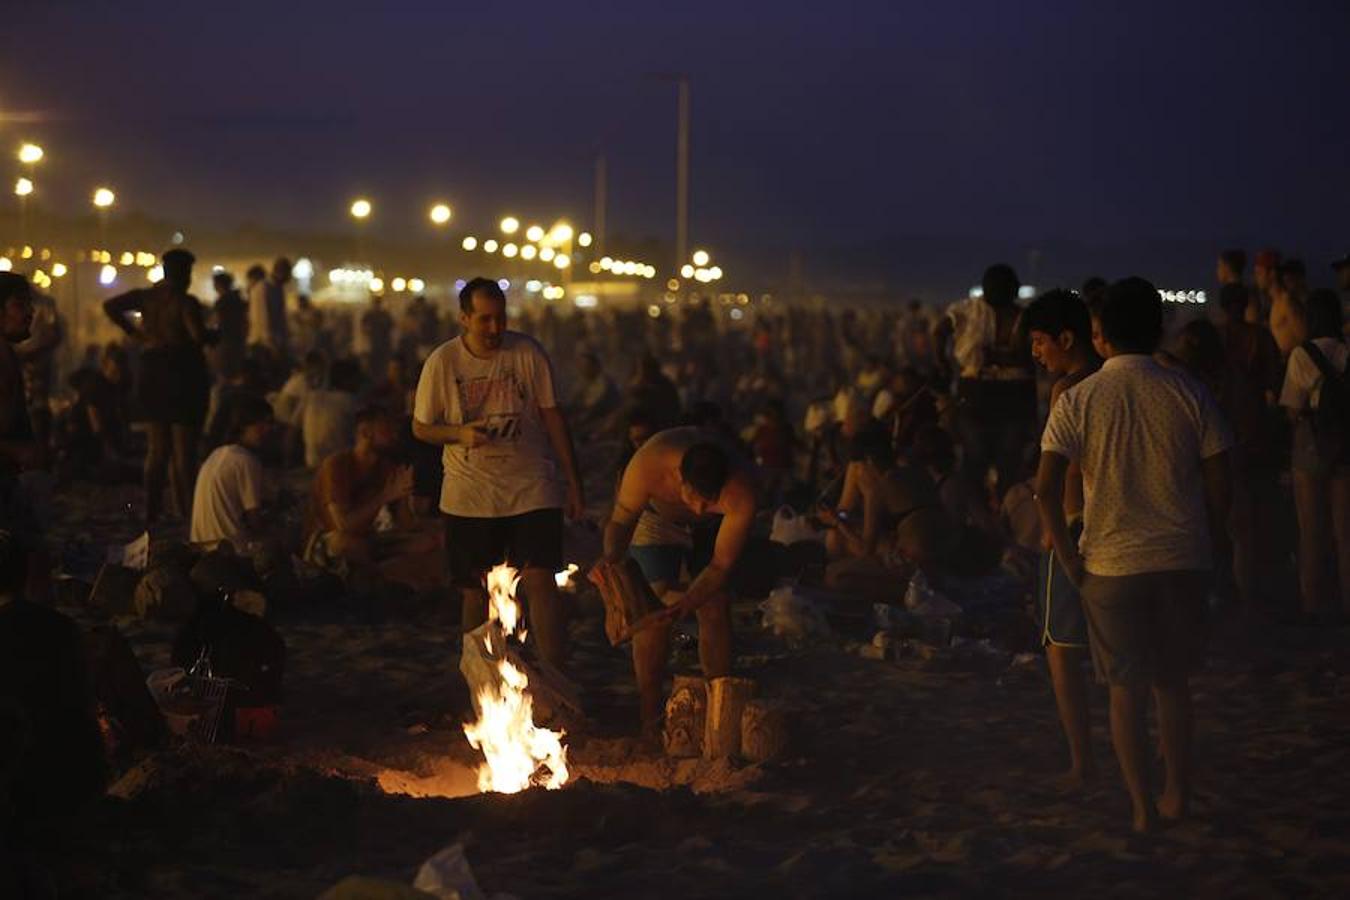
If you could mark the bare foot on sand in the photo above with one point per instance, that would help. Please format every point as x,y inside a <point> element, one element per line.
<point>1076,780</point>
<point>1171,807</point>
<point>1145,819</point>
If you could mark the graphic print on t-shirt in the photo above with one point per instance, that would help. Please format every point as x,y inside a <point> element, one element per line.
<point>498,400</point>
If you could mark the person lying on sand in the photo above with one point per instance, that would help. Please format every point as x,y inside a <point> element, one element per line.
<point>681,492</point>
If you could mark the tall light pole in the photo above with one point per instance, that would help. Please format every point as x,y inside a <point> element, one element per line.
<point>360,210</point>
<point>30,155</point>
<point>601,201</point>
<point>682,173</point>
<point>103,199</point>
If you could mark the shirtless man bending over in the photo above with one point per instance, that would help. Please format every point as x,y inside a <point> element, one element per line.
<point>678,480</point>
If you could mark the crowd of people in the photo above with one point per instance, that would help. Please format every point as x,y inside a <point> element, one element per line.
<point>1126,464</point>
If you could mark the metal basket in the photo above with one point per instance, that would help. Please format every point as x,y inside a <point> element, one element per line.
<point>211,692</point>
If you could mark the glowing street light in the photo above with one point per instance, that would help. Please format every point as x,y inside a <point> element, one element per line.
<point>700,257</point>
<point>510,225</point>
<point>510,251</point>
<point>23,187</point>
<point>534,233</point>
<point>30,154</point>
<point>107,275</point>
<point>547,254</point>
<point>686,271</point>
<point>489,246</point>
<point>529,251</point>
<point>361,208</point>
<point>584,239</point>
<point>440,214</point>
<point>104,198</point>
<point>562,233</point>
<point>469,243</point>
<point>562,260</point>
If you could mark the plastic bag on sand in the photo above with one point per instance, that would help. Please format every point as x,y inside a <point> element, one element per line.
<point>922,600</point>
<point>790,527</point>
<point>447,875</point>
<point>789,614</point>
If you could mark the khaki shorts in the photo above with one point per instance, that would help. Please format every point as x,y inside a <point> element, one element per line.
<point>1146,628</point>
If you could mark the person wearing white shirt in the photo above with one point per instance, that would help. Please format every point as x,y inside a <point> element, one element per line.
<point>1153,449</point>
<point>1321,463</point>
<point>228,499</point>
<point>487,398</point>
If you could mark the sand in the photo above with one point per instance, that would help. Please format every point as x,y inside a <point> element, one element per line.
<point>904,778</point>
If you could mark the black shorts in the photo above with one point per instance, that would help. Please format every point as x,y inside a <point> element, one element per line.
<point>529,540</point>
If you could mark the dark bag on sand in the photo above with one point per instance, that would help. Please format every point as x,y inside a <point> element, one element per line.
<point>1331,418</point>
<point>241,647</point>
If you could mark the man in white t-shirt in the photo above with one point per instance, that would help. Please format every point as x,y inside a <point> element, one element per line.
<point>1153,449</point>
<point>488,398</point>
<point>227,502</point>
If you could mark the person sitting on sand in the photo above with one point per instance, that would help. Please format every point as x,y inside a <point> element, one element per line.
<point>227,504</point>
<point>678,483</point>
<point>360,510</point>
<point>1060,329</point>
<point>900,524</point>
<point>1155,502</point>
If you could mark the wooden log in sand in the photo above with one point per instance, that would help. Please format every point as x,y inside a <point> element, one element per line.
<point>726,704</point>
<point>686,712</point>
<point>764,731</point>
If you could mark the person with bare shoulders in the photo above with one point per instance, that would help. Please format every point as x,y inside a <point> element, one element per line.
<point>360,512</point>
<point>174,385</point>
<point>679,482</point>
<point>1060,330</point>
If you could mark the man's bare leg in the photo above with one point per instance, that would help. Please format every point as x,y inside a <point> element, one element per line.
<point>1175,726</point>
<point>473,608</point>
<point>1066,676</point>
<point>651,646</point>
<point>714,637</point>
<point>1127,735</point>
<point>547,616</point>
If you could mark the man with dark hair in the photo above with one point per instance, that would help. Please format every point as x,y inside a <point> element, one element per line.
<point>267,308</point>
<point>230,313</point>
<point>18,449</point>
<point>227,504</point>
<point>360,511</point>
<point>488,398</point>
<point>1231,267</point>
<point>1060,329</point>
<point>677,481</point>
<point>996,386</point>
<point>1254,370</point>
<point>1265,274</point>
<point>1156,486</point>
<point>174,385</point>
<point>51,752</point>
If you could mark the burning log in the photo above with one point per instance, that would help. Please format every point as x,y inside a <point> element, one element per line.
<point>764,731</point>
<point>629,602</point>
<point>686,715</point>
<point>517,753</point>
<point>726,705</point>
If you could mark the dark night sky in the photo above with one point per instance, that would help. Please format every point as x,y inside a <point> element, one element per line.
<point>839,129</point>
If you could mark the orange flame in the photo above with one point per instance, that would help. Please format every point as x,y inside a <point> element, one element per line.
<point>518,755</point>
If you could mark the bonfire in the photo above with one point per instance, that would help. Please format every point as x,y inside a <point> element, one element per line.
<point>517,754</point>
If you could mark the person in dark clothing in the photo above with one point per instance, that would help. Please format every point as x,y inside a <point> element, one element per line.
<point>651,390</point>
<point>231,321</point>
<point>174,385</point>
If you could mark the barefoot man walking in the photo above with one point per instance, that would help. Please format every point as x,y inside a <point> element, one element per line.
<point>674,489</point>
<point>1154,455</point>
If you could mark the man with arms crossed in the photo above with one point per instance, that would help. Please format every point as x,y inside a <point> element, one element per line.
<point>1153,450</point>
<point>487,396</point>
<point>678,479</point>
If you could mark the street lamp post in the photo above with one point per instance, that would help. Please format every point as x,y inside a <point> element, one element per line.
<point>30,155</point>
<point>360,210</point>
<point>103,199</point>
